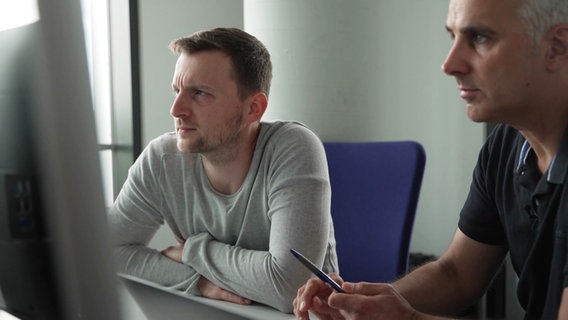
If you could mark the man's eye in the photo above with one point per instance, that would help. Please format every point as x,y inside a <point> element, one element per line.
<point>200,93</point>
<point>478,39</point>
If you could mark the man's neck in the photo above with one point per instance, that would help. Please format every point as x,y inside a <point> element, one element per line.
<point>227,171</point>
<point>544,138</point>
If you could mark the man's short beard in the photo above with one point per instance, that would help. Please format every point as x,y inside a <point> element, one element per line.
<point>224,144</point>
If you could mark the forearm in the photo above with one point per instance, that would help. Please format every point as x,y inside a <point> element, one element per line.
<point>434,289</point>
<point>253,274</point>
<point>563,309</point>
<point>149,264</point>
<point>454,281</point>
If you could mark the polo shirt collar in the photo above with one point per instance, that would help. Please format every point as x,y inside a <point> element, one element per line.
<point>558,168</point>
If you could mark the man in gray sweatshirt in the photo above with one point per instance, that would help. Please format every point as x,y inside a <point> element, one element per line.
<point>236,192</point>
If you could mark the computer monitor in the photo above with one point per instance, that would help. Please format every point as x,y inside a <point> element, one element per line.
<point>55,257</point>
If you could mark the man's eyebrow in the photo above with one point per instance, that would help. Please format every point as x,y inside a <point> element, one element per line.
<point>473,30</point>
<point>477,30</point>
<point>193,87</point>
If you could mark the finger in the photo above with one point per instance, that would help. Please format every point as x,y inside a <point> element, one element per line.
<point>322,311</point>
<point>347,303</point>
<point>301,315</point>
<point>297,301</point>
<point>314,287</point>
<point>296,304</point>
<point>336,277</point>
<point>366,288</point>
<point>307,293</point>
<point>353,304</point>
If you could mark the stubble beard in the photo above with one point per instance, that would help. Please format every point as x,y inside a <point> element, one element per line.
<point>221,146</point>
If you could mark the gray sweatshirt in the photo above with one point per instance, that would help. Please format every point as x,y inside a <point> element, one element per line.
<point>240,242</point>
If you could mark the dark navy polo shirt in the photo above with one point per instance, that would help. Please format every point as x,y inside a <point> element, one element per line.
<point>510,203</point>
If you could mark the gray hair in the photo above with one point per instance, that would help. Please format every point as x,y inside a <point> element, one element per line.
<point>539,16</point>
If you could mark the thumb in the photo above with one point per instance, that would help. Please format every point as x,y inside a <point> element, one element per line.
<point>366,288</point>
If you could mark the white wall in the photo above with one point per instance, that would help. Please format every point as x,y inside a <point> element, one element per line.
<point>351,70</point>
<point>370,70</point>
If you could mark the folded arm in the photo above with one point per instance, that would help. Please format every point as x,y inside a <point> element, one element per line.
<point>244,251</point>
<point>287,207</point>
<point>135,258</point>
<point>271,275</point>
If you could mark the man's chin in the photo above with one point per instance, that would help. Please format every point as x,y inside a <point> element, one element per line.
<point>474,115</point>
<point>184,147</point>
<point>476,120</point>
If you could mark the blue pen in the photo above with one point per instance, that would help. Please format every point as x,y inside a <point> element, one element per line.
<point>315,270</point>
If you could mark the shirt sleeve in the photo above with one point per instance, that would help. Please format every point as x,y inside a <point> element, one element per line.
<point>479,217</point>
<point>299,195</point>
<point>135,218</point>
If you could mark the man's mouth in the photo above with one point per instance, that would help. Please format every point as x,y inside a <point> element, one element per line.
<point>185,130</point>
<point>468,93</point>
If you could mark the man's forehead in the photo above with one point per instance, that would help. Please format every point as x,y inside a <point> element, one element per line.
<point>204,69</point>
<point>465,13</point>
<point>207,61</point>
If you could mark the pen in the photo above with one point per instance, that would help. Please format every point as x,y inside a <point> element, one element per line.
<point>315,270</point>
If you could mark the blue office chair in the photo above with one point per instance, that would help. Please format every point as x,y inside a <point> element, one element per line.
<point>374,194</point>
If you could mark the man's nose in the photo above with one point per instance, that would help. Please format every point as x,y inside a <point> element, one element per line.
<point>180,107</point>
<point>456,61</point>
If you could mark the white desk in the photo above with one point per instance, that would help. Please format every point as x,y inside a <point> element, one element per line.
<point>7,316</point>
<point>158,303</point>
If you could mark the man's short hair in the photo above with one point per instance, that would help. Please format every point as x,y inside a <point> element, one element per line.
<point>539,16</point>
<point>252,67</point>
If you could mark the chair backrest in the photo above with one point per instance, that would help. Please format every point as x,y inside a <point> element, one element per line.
<point>374,194</point>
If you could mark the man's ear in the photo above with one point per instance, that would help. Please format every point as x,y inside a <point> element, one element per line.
<point>557,51</point>
<point>256,107</point>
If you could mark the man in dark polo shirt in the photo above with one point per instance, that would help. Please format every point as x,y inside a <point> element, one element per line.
<point>510,61</point>
<point>512,203</point>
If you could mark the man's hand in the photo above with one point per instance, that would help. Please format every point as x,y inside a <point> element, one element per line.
<point>365,300</point>
<point>206,287</point>
<point>361,301</point>
<point>212,291</point>
<point>174,252</point>
<point>313,296</point>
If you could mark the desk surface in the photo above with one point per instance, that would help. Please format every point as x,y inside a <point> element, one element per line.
<point>4,315</point>
<point>157,302</point>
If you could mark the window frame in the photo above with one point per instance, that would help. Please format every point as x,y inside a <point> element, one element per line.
<point>111,32</point>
